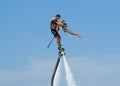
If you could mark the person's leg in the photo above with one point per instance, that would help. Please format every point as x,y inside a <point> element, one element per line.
<point>57,37</point>
<point>73,33</point>
<point>70,32</point>
<point>58,41</point>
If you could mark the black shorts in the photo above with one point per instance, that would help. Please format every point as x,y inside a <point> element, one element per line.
<point>55,33</point>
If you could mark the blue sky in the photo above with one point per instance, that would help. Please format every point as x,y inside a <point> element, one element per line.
<point>25,33</point>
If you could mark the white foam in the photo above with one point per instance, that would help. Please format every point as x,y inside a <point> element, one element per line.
<point>69,75</point>
<point>57,75</point>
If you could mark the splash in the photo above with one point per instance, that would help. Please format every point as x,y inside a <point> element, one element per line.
<point>69,75</point>
<point>57,75</point>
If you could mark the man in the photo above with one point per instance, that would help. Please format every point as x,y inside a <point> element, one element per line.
<point>54,26</point>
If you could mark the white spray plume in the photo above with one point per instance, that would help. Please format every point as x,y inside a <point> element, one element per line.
<point>69,75</point>
<point>57,75</point>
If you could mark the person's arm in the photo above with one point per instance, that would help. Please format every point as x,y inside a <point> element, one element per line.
<point>54,20</point>
<point>60,24</point>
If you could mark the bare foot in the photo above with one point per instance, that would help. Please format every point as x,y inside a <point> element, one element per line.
<point>79,35</point>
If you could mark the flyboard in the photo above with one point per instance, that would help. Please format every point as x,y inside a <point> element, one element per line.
<point>60,54</point>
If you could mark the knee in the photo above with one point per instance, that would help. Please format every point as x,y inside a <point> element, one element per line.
<point>58,38</point>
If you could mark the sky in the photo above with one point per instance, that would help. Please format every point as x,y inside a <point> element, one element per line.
<point>25,34</point>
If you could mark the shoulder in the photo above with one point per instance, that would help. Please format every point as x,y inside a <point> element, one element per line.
<point>53,19</point>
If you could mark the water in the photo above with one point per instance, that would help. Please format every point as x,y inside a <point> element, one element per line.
<point>69,75</point>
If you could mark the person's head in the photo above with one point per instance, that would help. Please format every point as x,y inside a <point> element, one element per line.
<point>58,16</point>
